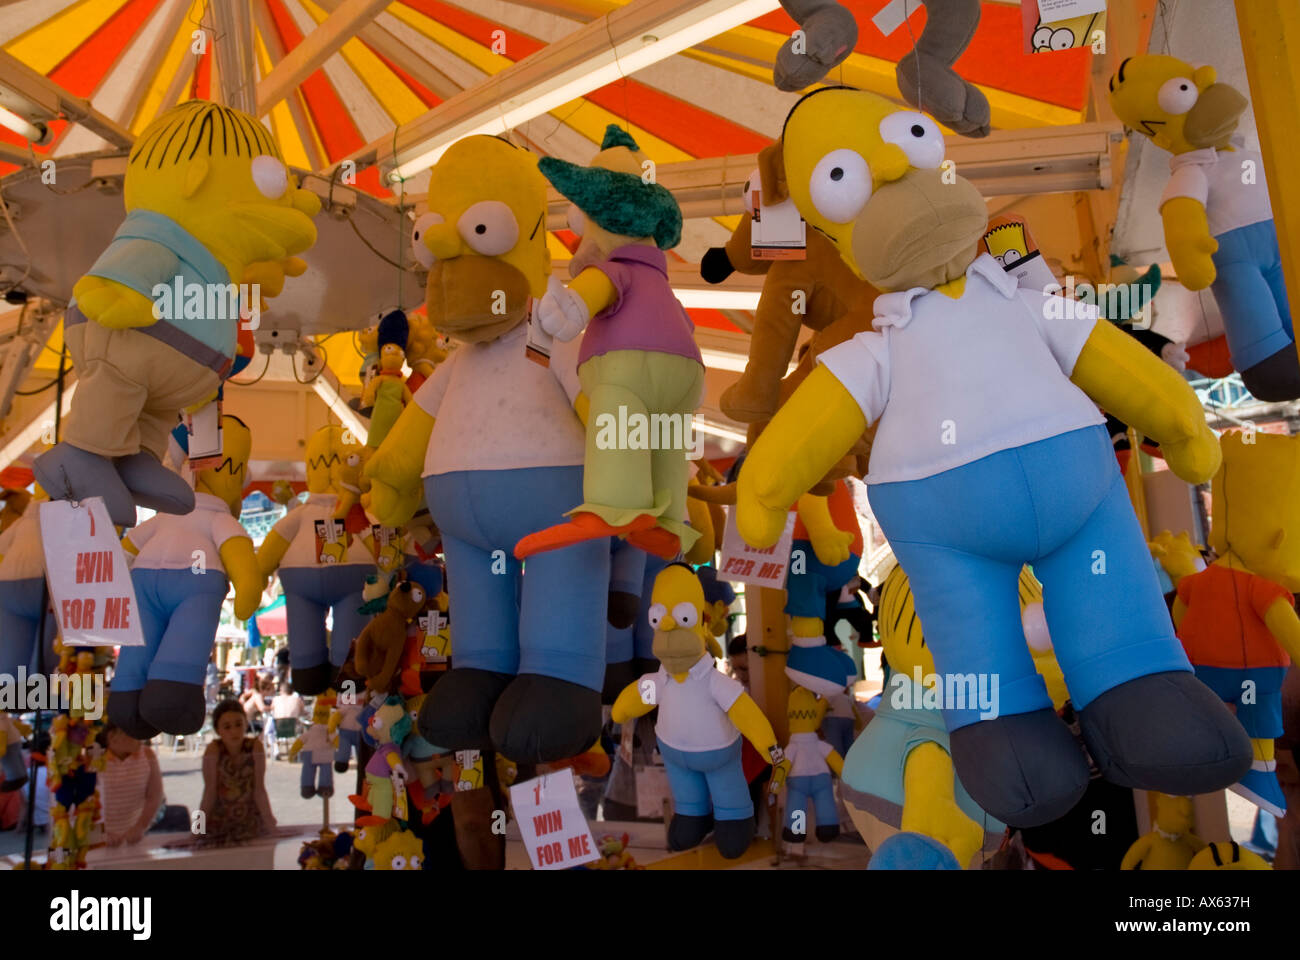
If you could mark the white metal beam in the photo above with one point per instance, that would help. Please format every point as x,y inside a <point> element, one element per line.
<point>16,78</point>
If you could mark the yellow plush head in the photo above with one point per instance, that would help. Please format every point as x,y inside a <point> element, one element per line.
<point>1173,814</point>
<point>901,638</point>
<point>228,479</point>
<point>805,710</point>
<point>1256,513</point>
<point>486,234</point>
<point>401,851</point>
<point>1227,856</point>
<point>1180,107</point>
<point>218,173</point>
<point>867,175</point>
<point>321,456</point>
<point>678,619</point>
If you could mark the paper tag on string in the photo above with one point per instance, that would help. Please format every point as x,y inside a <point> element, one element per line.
<point>85,567</point>
<point>554,831</point>
<point>203,428</point>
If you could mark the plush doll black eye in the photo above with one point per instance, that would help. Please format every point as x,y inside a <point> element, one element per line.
<point>480,229</point>
<point>837,174</point>
<point>918,130</point>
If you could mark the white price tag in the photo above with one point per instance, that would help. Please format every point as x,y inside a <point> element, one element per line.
<point>1053,11</point>
<point>745,564</point>
<point>894,14</point>
<point>86,569</point>
<point>777,232</point>
<point>551,823</point>
<point>204,429</point>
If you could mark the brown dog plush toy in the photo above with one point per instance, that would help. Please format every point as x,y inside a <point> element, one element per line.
<point>380,644</point>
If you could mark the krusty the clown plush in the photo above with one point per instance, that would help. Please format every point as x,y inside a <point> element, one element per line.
<point>500,447</point>
<point>991,453</point>
<point>209,204</point>
<point>1217,216</point>
<point>638,360</point>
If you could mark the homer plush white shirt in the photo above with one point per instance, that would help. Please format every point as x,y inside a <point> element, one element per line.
<point>693,713</point>
<point>954,380</point>
<point>1229,184</point>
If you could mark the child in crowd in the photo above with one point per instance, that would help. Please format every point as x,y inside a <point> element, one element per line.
<point>131,789</point>
<point>235,804</point>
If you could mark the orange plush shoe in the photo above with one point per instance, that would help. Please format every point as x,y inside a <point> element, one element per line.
<point>580,528</point>
<point>658,541</point>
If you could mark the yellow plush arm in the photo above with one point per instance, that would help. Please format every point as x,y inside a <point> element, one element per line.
<point>1137,852</point>
<point>270,553</point>
<point>1178,612</point>
<point>713,647</point>
<point>836,763</point>
<point>753,723</point>
<point>295,748</point>
<point>702,549</point>
<point>808,435</point>
<point>1187,236</point>
<point>596,289</point>
<point>630,704</point>
<point>1137,387</point>
<point>930,807</point>
<point>582,407</point>
<point>829,542</point>
<point>127,545</point>
<point>113,305</point>
<point>245,572</point>
<point>394,469</point>
<point>1283,623</point>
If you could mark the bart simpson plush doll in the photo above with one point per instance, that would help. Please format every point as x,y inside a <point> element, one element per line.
<point>1237,617</point>
<point>638,360</point>
<point>991,454</point>
<point>184,566</point>
<point>1218,221</point>
<point>702,715</point>
<point>209,204</point>
<point>319,572</point>
<point>500,449</point>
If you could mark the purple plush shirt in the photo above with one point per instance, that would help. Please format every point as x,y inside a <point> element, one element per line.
<point>646,315</point>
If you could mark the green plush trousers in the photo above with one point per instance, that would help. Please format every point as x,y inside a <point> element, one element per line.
<point>639,436</point>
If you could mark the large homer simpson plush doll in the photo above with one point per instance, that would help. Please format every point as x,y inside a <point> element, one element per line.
<point>1217,217</point>
<point>209,204</point>
<point>500,448</point>
<point>990,453</point>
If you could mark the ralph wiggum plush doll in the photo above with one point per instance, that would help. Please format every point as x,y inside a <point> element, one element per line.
<point>638,360</point>
<point>209,205</point>
<point>990,454</point>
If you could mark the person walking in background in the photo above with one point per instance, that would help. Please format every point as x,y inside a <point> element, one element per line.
<point>131,788</point>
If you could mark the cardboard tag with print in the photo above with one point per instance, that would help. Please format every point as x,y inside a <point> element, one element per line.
<point>1011,244</point>
<point>203,428</point>
<point>762,567</point>
<point>1050,26</point>
<point>554,831</point>
<point>331,540</point>
<point>90,586</point>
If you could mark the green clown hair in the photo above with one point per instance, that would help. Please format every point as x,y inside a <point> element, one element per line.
<point>616,136</point>
<point>619,202</point>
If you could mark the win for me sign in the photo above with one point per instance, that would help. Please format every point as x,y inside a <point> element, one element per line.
<point>551,823</point>
<point>86,570</point>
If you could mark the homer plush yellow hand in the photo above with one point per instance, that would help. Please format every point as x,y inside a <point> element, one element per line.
<point>394,469</point>
<point>1177,555</point>
<point>1187,236</point>
<point>242,568</point>
<point>112,305</point>
<point>829,542</point>
<point>930,808</point>
<point>808,435</point>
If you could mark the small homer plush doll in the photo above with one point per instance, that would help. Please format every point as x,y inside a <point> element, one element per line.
<point>702,715</point>
<point>990,454</point>
<point>638,358</point>
<point>1217,216</point>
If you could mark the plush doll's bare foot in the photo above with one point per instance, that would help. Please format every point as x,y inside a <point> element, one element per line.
<point>70,473</point>
<point>1026,769</point>
<point>1166,732</point>
<point>540,719</point>
<point>829,35</point>
<point>154,486</point>
<point>687,831</point>
<point>456,714</point>
<point>733,837</point>
<point>124,710</point>
<point>173,707</point>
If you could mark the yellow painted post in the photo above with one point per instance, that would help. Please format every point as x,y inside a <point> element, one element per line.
<point>1133,480</point>
<point>1270,43</point>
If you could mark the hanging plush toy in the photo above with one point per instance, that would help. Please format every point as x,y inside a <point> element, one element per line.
<point>184,566</point>
<point>702,715</point>
<point>386,775</point>
<point>321,566</point>
<point>401,850</point>
<point>317,744</point>
<point>152,326</point>
<point>638,363</point>
<point>1217,216</point>
<point>1170,845</point>
<point>496,438</point>
<point>345,728</point>
<point>926,77</point>
<point>381,642</point>
<point>991,454</point>
<point>1237,617</point>
<point>391,339</point>
<point>826,35</point>
<point>812,761</point>
<point>22,592</point>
